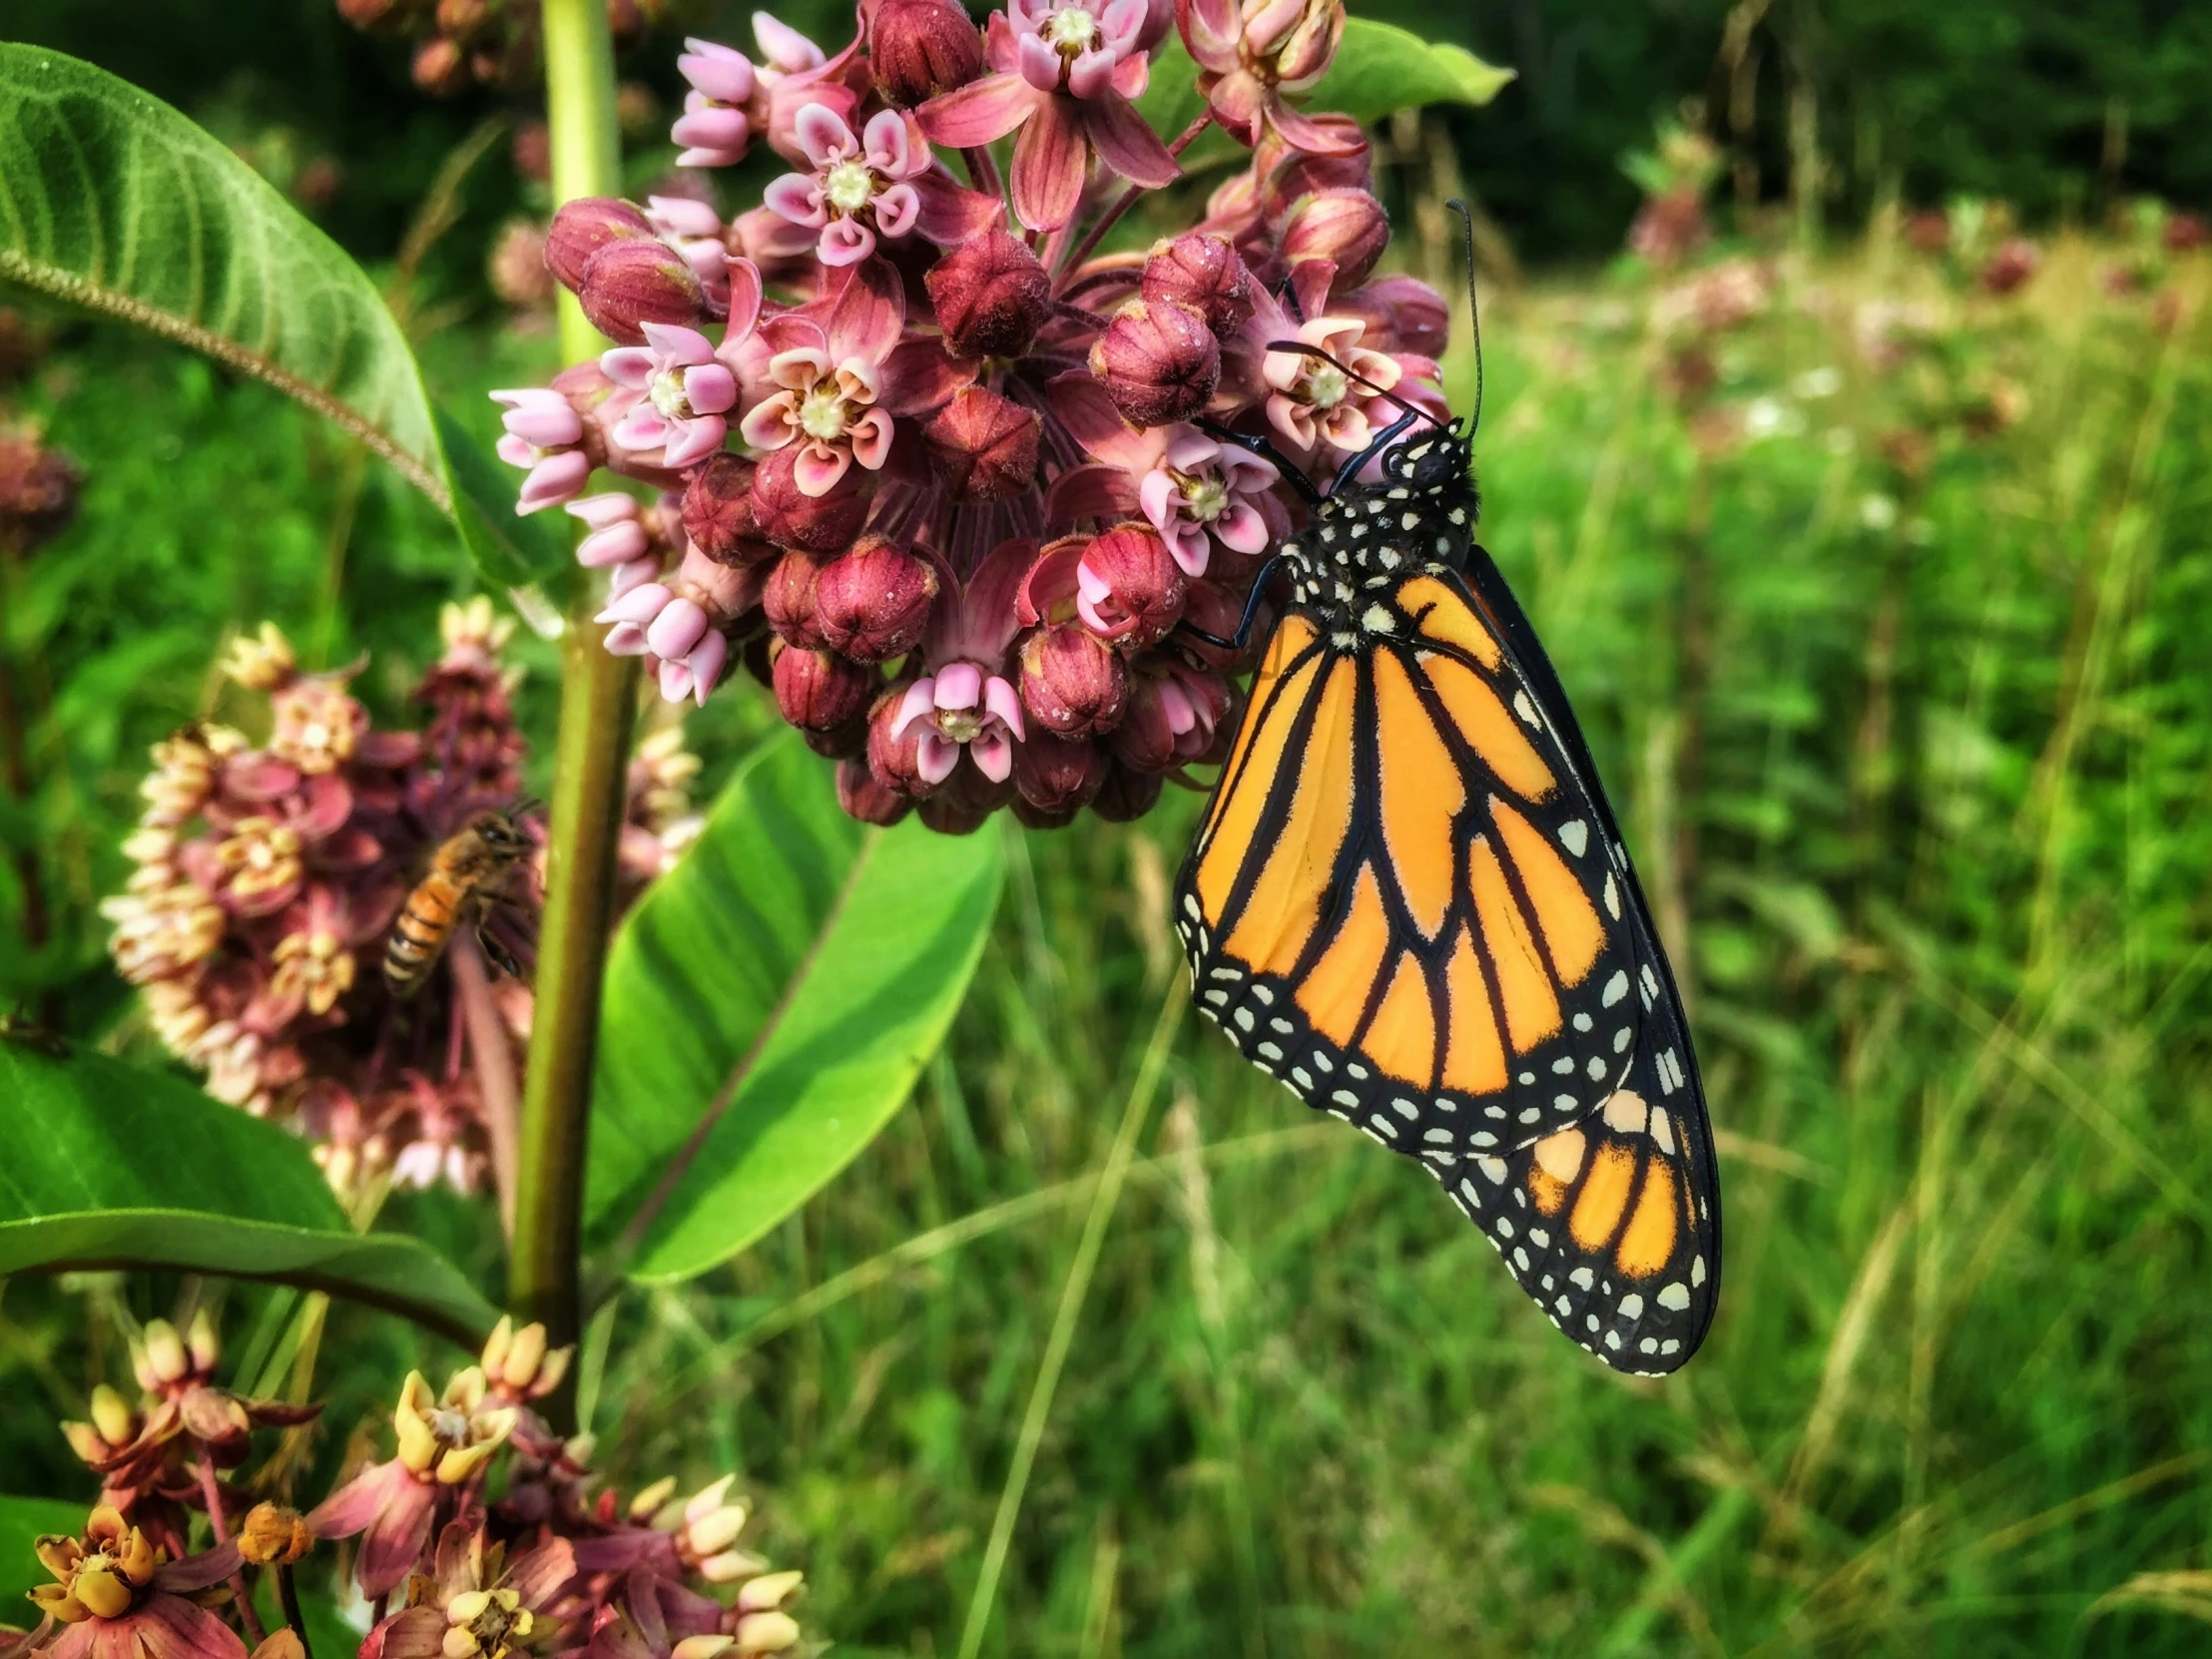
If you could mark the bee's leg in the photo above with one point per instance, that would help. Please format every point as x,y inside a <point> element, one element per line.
<point>496,953</point>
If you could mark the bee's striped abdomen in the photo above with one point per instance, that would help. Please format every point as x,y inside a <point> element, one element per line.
<point>418,938</point>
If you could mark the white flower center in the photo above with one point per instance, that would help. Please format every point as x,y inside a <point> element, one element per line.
<point>961,725</point>
<point>848,186</point>
<point>1071,30</point>
<point>450,1426</point>
<point>822,414</point>
<point>667,392</point>
<point>1204,495</point>
<point>1326,386</point>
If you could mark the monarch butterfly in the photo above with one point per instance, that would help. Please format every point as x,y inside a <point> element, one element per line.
<point>1409,901</point>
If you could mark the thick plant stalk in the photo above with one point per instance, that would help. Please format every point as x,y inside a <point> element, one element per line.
<point>598,697</point>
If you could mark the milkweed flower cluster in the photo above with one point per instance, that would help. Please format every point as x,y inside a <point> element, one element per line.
<point>483,1535</point>
<point>268,874</point>
<point>943,474</point>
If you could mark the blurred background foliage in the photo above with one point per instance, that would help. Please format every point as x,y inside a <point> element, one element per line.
<point>1880,570</point>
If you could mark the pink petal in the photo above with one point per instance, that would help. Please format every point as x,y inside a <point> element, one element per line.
<point>871,439</point>
<point>553,481</point>
<point>618,544</point>
<point>883,143</point>
<point>823,134</point>
<point>993,755</point>
<point>624,638</point>
<point>721,72</point>
<point>744,300</point>
<point>1303,132</point>
<point>546,426</point>
<point>1081,402</point>
<point>918,377</point>
<point>1157,496</point>
<point>1090,491</point>
<point>600,511</point>
<point>1241,528</point>
<point>633,575</point>
<point>959,685</point>
<point>1212,30</point>
<point>170,1627</point>
<point>934,758</point>
<point>705,663</point>
<point>712,128</point>
<point>982,112</point>
<point>710,389</point>
<point>1039,61</point>
<point>680,625</point>
<point>869,314</point>
<point>517,450</point>
<point>897,208</point>
<point>819,467</point>
<point>845,242</point>
<point>1131,76</point>
<point>679,346</point>
<point>1187,547</point>
<point>1092,73</point>
<point>695,440</point>
<point>395,1538</point>
<point>918,703</point>
<point>640,604</point>
<point>1049,159</point>
<point>768,426</point>
<point>798,198</point>
<point>685,217</point>
<point>1127,145</point>
<point>785,47</point>
<point>644,428</point>
<point>701,155</point>
<point>629,365</point>
<point>949,214</point>
<point>1000,699</point>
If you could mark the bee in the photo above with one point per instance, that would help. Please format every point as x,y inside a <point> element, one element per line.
<point>466,876</point>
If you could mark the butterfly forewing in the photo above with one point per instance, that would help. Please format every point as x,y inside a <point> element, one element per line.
<point>1409,901</point>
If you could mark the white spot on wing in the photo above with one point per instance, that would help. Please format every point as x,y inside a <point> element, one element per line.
<point>1574,836</point>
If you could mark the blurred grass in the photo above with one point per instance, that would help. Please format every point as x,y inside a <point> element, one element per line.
<point>1907,708</point>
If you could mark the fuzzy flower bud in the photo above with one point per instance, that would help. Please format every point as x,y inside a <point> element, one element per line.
<point>1346,225</point>
<point>1072,683</point>
<point>819,691</point>
<point>789,517</point>
<point>274,1535</point>
<point>985,443</point>
<point>1129,589</point>
<point>872,604</point>
<point>789,601</point>
<point>1160,362</point>
<point>864,800</point>
<point>989,295</point>
<point>1202,272</point>
<point>1127,795</point>
<point>582,228</point>
<point>1056,776</point>
<point>630,281</point>
<point>920,49</point>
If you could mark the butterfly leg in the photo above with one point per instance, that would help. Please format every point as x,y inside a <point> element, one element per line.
<point>1243,635</point>
<point>1376,445</point>
<point>1292,474</point>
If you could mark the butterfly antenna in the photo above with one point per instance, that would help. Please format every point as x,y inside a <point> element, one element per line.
<point>1302,350</point>
<point>1474,311</point>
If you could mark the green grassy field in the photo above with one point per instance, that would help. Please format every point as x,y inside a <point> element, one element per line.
<point>1898,673</point>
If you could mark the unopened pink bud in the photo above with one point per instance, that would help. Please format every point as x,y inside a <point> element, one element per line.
<point>819,690</point>
<point>789,517</point>
<point>789,601</point>
<point>865,800</point>
<point>631,282</point>
<point>1072,683</point>
<point>582,229</point>
<point>1056,778</point>
<point>872,604</point>
<point>1126,794</point>
<point>920,49</point>
<point>1159,362</point>
<point>718,513</point>
<point>990,295</point>
<point>1129,589</point>
<point>1203,271</point>
<point>894,745</point>
<point>1346,225</point>
<point>985,445</point>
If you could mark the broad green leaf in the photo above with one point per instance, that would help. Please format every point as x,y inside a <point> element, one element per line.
<point>1380,70</point>
<point>106,1165</point>
<point>768,1006</point>
<point>22,1520</point>
<point>112,200</point>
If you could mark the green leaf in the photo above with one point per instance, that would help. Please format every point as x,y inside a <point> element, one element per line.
<point>112,200</point>
<point>105,1164</point>
<point>768,1006</point>
<point>22,1520</point>
<point>1380,70</point>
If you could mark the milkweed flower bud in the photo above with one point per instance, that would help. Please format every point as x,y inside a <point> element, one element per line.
<point>1203,272</point>
<point>714,129</point>
<point>1056,777</point>
<point>872,604</point>
<point>582,228</point>
<point>1160,362</point>
<point>718,513</point>
<point>631,282</point>
<point>1072,683</point>
<point>987,445</point>
<point>990,295</point>
<point>864,799</point>
<point>1129,588</point>
<point>791,517</point>
<point>819,691</point>
<point>789,600</point>
<point>1346,226</point>
<point>922,48</point>
<point>544,436</point>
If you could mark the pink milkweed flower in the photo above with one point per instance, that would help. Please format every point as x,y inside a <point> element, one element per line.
<point>1067,76</point>
<point>715,129</point>
<point>832,385</point>
<point>1315,404</point>
<point>884,183</point>
<point>116,1592</point>
<point>1251,52</point>
<point>543,437</point>
<point>654,618</point>
<point>695,231</point>
<point>687,392</point>
<point>959,707</point>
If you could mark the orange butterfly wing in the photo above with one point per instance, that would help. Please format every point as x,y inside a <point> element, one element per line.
<point>1407,904</point>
